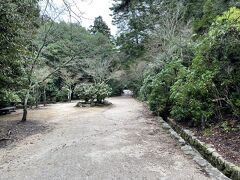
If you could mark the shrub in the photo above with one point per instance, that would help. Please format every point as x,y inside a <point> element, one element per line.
<point>156,89</point>
<point>192,97</point>
<point>86,92</point>
<point>147,87</point>
<point>210,87</point>
<point>91,92</point>
<point>62,95</point>
<point>102,91</point>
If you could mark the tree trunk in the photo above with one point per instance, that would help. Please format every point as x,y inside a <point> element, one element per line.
<point>44,96</point>
<point>24,117</point>
<point>203,123</point>
<point>36,97</point>
<point>69,94</point>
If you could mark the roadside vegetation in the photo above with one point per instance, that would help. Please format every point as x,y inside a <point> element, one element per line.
<point>188,55</point>
<point>183,59</point>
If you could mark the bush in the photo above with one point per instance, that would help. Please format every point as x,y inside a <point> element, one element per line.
<point>86,92</point>
<point>8,97</point>
<point>156,89</point>
<point>93,92</point>
<point>62,95</point>
<point>210,87</point>
<point>147,87</point>
<point>192,97</point>
<point>102,91</point>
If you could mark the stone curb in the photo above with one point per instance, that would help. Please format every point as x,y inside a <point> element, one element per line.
<point>206,150</point>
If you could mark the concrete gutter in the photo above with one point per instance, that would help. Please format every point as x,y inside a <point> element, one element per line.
<point>206,150</point>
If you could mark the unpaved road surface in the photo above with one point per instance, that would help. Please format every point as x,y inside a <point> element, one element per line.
<point>118,142</point>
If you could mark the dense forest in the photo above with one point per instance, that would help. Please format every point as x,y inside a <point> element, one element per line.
<point>181,57</point>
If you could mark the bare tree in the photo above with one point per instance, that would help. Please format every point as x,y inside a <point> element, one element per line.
<point>99,69</point>
<point>69,80</point>
<point>170,33</point>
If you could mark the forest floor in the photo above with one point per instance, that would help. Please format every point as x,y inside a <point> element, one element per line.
<point>122,141</point>
<point>226,143</point>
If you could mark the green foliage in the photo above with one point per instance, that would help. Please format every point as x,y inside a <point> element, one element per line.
<point>156,89</point>
<point>102,91</point>
<point>91,55</point>
<point>21,96</point>
<point>99,26</point>
<point>9,96</point>
<point>226,126</point>
<point>147,87</point>
<point>62,95</point>
<point>18,22</point>
<point>204,12</point>
<point>202,24</point>
<point>86,92</point>
<point>132,18</point>
<point>210,86</point>
<point>207,88</point>
<point>191,96</point>
<point>93,92</point>
<point>116,86</point>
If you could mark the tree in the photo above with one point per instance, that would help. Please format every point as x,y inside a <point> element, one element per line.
<point>99,26</point>
<point>40,74</point>
<point>103,62</point>
<point>69,80</point>
<point>94,55</point>
<point>18,21</point>
<point>32,45</point>
<point>131,18</point>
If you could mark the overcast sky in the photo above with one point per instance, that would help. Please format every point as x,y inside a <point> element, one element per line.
<point>89,10</point>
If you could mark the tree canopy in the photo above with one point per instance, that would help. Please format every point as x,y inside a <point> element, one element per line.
<point>99,26</point>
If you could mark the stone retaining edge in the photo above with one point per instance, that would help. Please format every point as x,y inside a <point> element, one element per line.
<point>207,151</point>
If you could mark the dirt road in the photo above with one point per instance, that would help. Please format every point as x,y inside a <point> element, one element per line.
<point>118,142</point>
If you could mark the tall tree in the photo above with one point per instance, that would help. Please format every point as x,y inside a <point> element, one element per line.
<point>99,26</point>
<point>129,17</point>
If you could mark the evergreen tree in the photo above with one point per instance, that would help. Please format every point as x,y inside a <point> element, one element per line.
<point>133,21</point>
<point>100,26</point>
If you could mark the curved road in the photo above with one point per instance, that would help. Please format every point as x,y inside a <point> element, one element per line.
<point>118,142</point>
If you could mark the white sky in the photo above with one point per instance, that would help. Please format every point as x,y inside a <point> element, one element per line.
<point>90,9</point>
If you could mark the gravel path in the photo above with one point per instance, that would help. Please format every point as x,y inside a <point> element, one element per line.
<point>118,142</point>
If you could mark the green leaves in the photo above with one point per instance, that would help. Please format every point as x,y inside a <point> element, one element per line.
<point>156,89</point>
<point>208,88</point>
<point>100,26</point>
<point>213,77</point>
<point>9,96</point>
<point>18,23</point>
<point>91,92</point>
